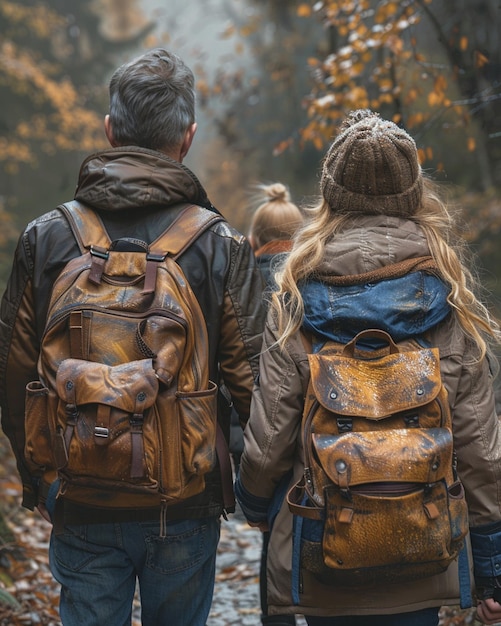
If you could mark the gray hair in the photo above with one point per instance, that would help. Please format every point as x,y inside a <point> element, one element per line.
<point>152,101</point>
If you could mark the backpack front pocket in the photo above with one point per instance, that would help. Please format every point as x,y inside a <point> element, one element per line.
<point>385,521</point>
<point>101,419</point>
<point>189,434</point>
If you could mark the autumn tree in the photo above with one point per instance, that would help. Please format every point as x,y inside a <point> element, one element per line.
<point>433,69</point>
<point>43,107</point>
<point>54,59</point>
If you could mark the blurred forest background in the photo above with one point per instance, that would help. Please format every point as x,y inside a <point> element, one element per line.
<point>274,78</point>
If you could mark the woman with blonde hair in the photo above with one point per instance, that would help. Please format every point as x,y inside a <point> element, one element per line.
<point>356,265</point>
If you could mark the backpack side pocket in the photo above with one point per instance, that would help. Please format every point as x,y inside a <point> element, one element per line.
<point>189,444</point>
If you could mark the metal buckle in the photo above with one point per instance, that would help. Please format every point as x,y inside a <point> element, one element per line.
<point>99,431</point>
<point>99,252</point>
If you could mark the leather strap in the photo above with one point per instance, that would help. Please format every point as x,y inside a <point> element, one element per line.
<point>86,225</point>
<point>188,225</point>
<point>296,495</point>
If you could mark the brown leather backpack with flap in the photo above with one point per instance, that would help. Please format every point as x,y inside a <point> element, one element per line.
<point>124,409</point>
<point>379,500</point>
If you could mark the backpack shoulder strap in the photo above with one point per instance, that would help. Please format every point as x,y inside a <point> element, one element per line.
<point>86,225</point>
<point>188,225</point>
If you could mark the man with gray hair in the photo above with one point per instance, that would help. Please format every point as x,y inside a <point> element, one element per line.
<point>137,188</point>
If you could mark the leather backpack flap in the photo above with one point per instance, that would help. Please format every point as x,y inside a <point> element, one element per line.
<point>96,402</point>
<point>378,387</point>
<point>357,459</point>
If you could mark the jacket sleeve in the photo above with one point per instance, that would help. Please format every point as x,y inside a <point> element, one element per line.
<point>241,326</point>
<point>486,550</point>
<point>477,441</point>
<point>43,249</point>
<point>478,444</point>
<point>271,436</point>
<point>18,359</point>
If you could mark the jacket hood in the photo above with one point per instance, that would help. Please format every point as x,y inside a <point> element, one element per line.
<point>406,306</point>
<point>370,242</point>
<point>132,177</point>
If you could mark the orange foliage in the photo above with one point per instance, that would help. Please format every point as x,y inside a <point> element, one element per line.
<point>57,120</point>
<point>376,63</point>
<point>480,59</point>
<point>37,19</point>
<point>304,10</point>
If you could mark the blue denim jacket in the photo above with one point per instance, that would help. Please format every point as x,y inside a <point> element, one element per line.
<point>404,307</point>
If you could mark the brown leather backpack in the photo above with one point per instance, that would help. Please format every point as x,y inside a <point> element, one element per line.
<point>124,409</point>
<point>379,500</point>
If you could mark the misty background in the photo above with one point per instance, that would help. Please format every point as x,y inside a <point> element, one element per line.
<point>273,81</point>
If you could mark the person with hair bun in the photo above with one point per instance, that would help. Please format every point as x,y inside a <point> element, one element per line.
<point>273,225</point>
<point>274,222</point>
<point>377,211</point>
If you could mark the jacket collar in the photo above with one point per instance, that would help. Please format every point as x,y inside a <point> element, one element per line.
<point>132,177</point>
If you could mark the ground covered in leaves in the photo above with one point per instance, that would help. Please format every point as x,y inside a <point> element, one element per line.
<point>29,596</point>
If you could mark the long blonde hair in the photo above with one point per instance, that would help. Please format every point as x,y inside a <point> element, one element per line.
<point>449,251</point>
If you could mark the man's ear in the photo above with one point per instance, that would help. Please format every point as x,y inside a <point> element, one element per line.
<point>188,139</point>
<point>109,131</point>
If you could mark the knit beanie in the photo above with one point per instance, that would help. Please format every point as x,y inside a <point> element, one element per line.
<point>372,167</point>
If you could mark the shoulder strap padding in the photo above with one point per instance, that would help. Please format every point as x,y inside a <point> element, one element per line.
<point>191,222</point>
<point>188,225</point>
<point>86,225</point>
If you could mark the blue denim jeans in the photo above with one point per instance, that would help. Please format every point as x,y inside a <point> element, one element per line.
<point>97,566</point>
<point>425,617</point>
